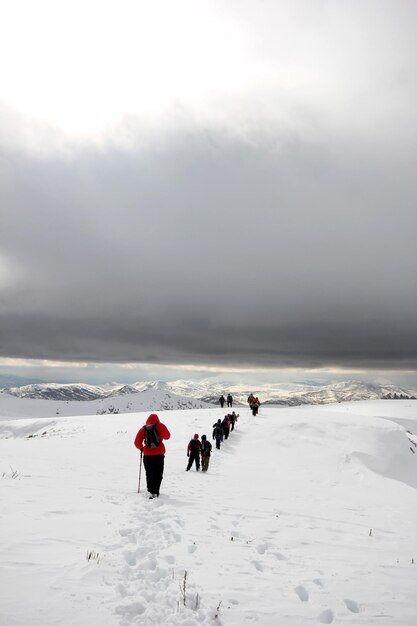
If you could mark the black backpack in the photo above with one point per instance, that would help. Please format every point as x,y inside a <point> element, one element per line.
<point>152,438</point>
<point>206,448</point>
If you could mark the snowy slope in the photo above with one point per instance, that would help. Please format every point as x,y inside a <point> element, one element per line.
<point>151,400</point>
<point>306,516</point>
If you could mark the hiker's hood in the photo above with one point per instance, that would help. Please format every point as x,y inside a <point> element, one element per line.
<point>196,436</point>
<point>152,419</point>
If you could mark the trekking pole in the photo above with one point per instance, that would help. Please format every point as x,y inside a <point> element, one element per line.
<point>140,469</point>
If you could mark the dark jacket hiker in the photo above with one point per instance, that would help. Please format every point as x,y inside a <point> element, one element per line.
<point>218,433</point>
<point>205,453</point>
<point>193,452</point>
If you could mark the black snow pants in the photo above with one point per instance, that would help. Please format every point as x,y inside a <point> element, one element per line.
<point>154,468</point>
<point>194,456</point>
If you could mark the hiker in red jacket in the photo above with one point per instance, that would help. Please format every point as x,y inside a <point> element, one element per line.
<point>226,426</point>
<point>149,441</point>
<point>193,453</point>
<point>255,406</point>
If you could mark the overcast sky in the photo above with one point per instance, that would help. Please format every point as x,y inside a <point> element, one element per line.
<point>215,184</point>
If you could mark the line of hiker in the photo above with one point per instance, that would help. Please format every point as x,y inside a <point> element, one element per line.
<point>149,440</point>
<point>229,400</point>
<point>254,404</point>
<point>197,448</point>
<point>222,428</point>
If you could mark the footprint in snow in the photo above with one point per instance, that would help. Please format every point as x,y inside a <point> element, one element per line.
<point>352,605</point>
<point>169,559</point>
<point>128,535</point>
<point>326,617</point>
<point>258,566</point>
<point>192,548</point>
<point>130,558</point>
<point>302,593</point>
<point>132,610</point>
<point>262,548</point>
<point>280,557</point>
<point>142,551</point>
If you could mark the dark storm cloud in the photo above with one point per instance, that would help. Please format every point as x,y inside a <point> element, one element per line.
<point>268,219</point>
<point>213,248</point>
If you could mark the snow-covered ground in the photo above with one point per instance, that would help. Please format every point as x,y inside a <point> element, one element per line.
<point>307,515</point>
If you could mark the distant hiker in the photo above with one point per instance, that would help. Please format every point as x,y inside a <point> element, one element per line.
<point>205,453</point>
<point>255,406</point>
<point>222,400</point>
<point>230,400</point>
<point>226,426</point>
<point>232,419</point>
<point>149,441</point>
<point>251,398</point>
<point>218,433</point>
<point>193,453</point>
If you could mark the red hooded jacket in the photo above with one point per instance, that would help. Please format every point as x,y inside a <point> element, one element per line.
<point>190,446</point>
<point>162,431</point>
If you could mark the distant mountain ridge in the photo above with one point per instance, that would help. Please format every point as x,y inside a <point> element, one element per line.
<point>208,391</point>
<point>57,391</point>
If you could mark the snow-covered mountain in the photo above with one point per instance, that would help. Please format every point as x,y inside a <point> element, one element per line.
<point>57,391</point>
<point>209,390</point>
<point>345,391</point>
<point>140,387</point>
<point>292,394</point>
<point>150,400</point>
